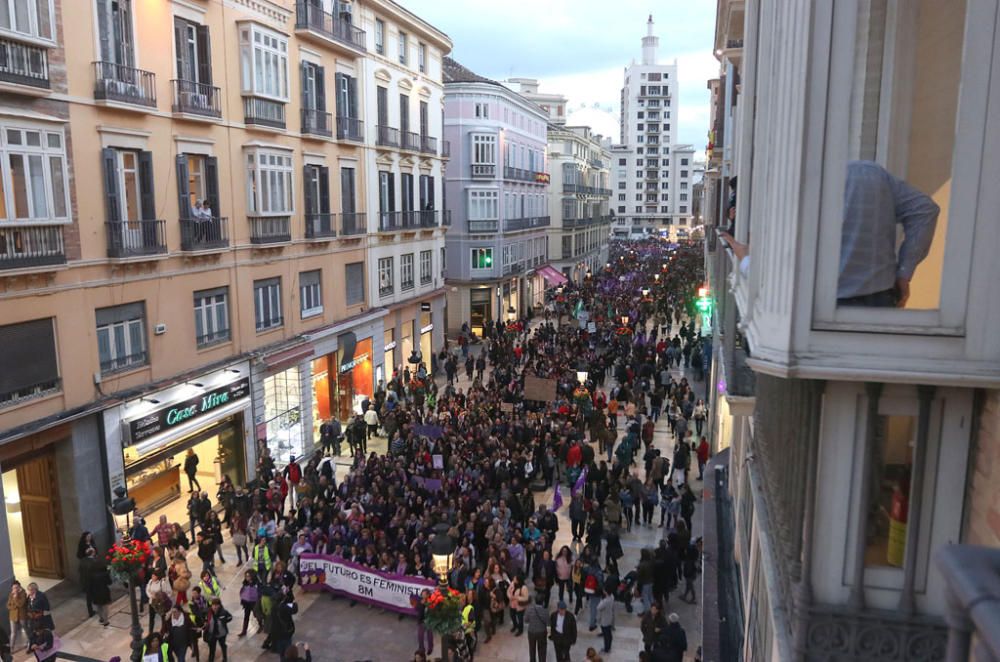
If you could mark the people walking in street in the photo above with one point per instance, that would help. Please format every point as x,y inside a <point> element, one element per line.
<point>17,613</point>
<point>536,621</point>
<point>562,631</point>
<point>39,611</point>
<point>191,470</point>
<point>217,629</point>
<point>98,582</point>
<point>606,619</point>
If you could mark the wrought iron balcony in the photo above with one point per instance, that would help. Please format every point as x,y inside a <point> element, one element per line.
<point>350,128</point>
<point>411,141</point>
<point>136,238</point>
<point>264,112</point>
<point>445,149</point>
<point>24,64</point>
<point>270,229</point>
<point>391,221</point>
<point>526,223</point>
<point>317,122</point>
<point>202,234</point>
<point>312,18</point>
<point>116,82</point>
<point>196,98</point>
<point>484,170</point>
<point>320,226</point>
<point>427,218</point>
<point>387,136</point>
<point>353,224</point>
<point>489,226</point>
<point>428,145</point>
<point>24,246</point>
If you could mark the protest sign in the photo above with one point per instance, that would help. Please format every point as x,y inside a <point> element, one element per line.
<point>437,461</point>
<point>507,406</point>
<point>536,388</point>
<point>322,572</point>
<point>429,431</point>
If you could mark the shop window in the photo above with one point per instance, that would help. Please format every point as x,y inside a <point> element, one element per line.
<point>21,379</point>
<point>354,281</point>
<point>121,337</point>
<point>283,415</point>
<point>211,316</point>
<point>310,293</point>
<point>267,303</point>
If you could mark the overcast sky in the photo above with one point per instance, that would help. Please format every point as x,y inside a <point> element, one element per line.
<point>580,48</point>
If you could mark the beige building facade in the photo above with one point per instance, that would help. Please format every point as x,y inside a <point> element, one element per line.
<point>185,247</point>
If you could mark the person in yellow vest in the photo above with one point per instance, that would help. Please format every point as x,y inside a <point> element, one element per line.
<point>469,625</point>
<point>210,587</point>
<point>154,646</point>
<point>262,557</point>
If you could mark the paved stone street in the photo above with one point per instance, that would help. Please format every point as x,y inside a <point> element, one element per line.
<point>338,632</point>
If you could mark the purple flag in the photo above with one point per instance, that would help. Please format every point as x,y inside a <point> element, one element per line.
<point>578,485</point>
<point>557,499</point>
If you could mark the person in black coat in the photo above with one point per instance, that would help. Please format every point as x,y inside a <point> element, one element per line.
<point>562,631</point>
<point>672,642</point>
<point>283,623</point>
<point>97,582</point>
<point>191,469</point>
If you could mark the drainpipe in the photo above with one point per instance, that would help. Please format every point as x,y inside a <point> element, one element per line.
<point>803,594</point>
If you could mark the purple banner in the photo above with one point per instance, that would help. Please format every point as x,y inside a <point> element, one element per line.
<point>321,572</point>
<point>430,431</point>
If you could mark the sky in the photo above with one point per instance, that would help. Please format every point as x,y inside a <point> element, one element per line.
<point>580,48</point>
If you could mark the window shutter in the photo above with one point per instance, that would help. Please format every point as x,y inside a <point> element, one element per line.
<point>308,178</point>
<point>303,71</point>
<point>352,96</point>
<point>339,83</point>
<point>204,56</point>
<point>104,29</point>
<point>122,313</point>
<point>179,49</point>
<point>347,190</point>
<point>183,190</point>
<point>430,191</point>
<point>392,191</point>
<point>109,159</point>
<point>17,341</point>
<point>320,89</point>
<point>354,278</point>
<point>146,190</point>
<point>324,190</point>
<point>212,184</point>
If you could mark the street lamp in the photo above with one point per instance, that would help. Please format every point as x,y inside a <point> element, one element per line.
<point>121,508</point>
<point>442,553</point>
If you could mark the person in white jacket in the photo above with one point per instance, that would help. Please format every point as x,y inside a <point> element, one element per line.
<point>158,583</point>
<point>371,420</point>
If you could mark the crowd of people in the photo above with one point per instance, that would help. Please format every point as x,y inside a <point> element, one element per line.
<point>475,460</point>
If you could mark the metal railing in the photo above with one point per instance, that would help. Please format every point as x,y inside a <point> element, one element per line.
<point>212,338</point>
<point>350,128</point>
<point>31,246</point>
<point>196,98</point>
<point>308,16</point>
<point>586,190</point>
<point>596,163</point>
<point>317,122</point>
<point>353,223</point>
<point>116,82</point>
<point>427,218</point>
<point>428,145</point>
<point>445,149</point>
<point>484,226</point>
<point>270,229</point>
<point>386,136</point>
<point>483,169</point>
<point>264,112</point>
<point>411,141</point>
<point>121,363</point>
<point>390,221</point>
<point>526,223</point>
<point>320,226</point>
<point>24,64</point>
<point>136,238</point>
<point>202,234</point>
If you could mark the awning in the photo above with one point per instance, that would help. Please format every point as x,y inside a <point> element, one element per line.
<point>552,275</point>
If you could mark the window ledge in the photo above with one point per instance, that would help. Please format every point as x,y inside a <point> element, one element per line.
<point>27,402</point>
<point>125,371</point>
<point>204,347</point>
<point>270,329</point>
<point>25,90</point>
<point>310,314</point>
<point>28,39</point>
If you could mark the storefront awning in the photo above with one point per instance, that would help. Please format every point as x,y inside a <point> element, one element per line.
<point>552,275</point>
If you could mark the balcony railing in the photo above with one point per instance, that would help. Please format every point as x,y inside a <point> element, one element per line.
<point>353,224</point>
<point>202,234</point>
<point>484,226</point>
<point>123,363</point>
<point>526,223</point>
<point>350,128</point>
<point>386,136</point>
<point>428,145</point>
<point>390,221</point>
<point>484,170</point>
<point>586,190</point>
<point>264,112</point>
<point>270,229</point>
<point>411,141</point>
<point>24,64</point>
<point>116,82</point>
<point>136,238</point>
<point>320,226</point>
<point>596,163</point>
<point>31,246</point>
<point>445,149</point>
<point>310,17</point>
<point>317,122</point>
<point>196,98</point>
<point>428,218</point>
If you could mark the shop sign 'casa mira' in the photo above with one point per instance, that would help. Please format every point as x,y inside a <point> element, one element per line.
<point>187,410</point>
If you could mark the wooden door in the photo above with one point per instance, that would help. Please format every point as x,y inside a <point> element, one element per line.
<point>36,480</point>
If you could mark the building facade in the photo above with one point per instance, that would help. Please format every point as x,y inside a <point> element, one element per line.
<point>581,218</point>
<point>214,291</point>
<point>653,176</point>
<point>859,436</point>
<point>498,182</point>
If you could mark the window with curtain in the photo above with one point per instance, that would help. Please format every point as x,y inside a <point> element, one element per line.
<point>269,182</point>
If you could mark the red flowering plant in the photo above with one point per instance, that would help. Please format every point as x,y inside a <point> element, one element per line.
<point>126,558</point>
<point>443,613</point>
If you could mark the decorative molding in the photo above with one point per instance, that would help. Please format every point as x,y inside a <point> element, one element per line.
<point>309,55</point>
<point>869,636</point>
<point>112,136</point>
<point>383,75</point>
<point>267,10</point>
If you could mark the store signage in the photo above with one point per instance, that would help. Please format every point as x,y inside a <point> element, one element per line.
<point>427,329</point>
<point>425,306</point>
<point>190,409</point>
<point>347,367</point>
<point>391,346</point>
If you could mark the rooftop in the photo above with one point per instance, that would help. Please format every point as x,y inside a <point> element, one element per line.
<point>453,72</point>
